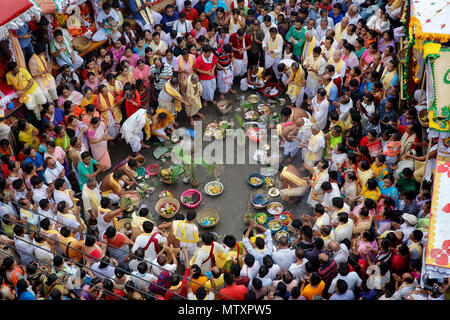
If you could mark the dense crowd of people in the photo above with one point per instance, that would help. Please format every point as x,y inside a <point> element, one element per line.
<point>362,161</point>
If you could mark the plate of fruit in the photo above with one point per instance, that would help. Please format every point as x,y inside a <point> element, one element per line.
<point>213,188</point>
<point>255,179</point>
<point>260,218</point>
<point>275,208</point>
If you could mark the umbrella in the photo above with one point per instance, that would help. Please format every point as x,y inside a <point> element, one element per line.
<point>15,13</point>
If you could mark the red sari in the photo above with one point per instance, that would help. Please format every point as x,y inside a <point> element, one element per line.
<point>129,107</point>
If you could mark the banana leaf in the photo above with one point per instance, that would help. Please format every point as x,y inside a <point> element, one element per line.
<point>239,119</point>
<point>176,172</point>
<point>159,152</point>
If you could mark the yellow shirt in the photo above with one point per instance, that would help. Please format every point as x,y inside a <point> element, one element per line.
<point>20,80</point>
<point>371,194</point>
<point>220,284</point>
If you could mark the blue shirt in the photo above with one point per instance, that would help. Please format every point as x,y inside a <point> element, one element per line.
<point>371,295</point>
<point>168,22</point>
<point>333,94</point>
<point>335,19</point>
<point>23,30</point>
<point>38,162</point>
<point>260,18</point>
<point>209,6</point>
<point>347,295</point>
<point>27,295</point>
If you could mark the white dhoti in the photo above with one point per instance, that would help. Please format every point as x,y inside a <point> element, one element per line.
<point>293,192</point>
<point>291,148</point>
<point>244,85</point>
<point>161,131</point>
<point>311,201</point>
<point>77,64</point>
<point>298,99</point>
<point>135,143</point>
<point>167,105</point>
<point>113,128</point>
<point>241,67</point>
<point>270,62</point>
<point>132,130</point>
<point>209,88</point>
<point>100,35</point>
<point>225,80</point>
<point>312,85</point>
<point>35,102</point>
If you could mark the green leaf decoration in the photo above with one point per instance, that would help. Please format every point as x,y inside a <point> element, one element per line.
<point>239,119</point>
<point>158,152</point>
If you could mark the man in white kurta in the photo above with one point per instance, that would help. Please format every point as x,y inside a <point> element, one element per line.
<point>338,63</point>
<point>315,66</point>
<point>320,105</point>
<point>314,146</point>
<point>203,257</point>
<point>132,129</point>
<point>273,48</point>
<point>320,175</point>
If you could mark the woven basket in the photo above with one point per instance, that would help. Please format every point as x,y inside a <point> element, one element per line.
<point>164,200</point>
<point>205,213</point>
<point>160,6</point>
<point>81,44</point>
<point>423,114</point>
<point>257,205</point>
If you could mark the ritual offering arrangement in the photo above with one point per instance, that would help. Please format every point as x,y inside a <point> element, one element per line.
<point>251,115</point>
<point>260,218</point>
<point>285,218</point>
<point>213,188</point>
<point>165,193</point>
<point>167,207</point>
<point>191,198</point>
<point>275,208</point>
<point>281,233</point>
<point>208,218</point>
<point>259,199</point>
<point>255,179</point>
<point>274,225</point>
<point>264,109</point>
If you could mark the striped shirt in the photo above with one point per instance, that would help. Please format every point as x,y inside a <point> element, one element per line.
<point>164,71</point>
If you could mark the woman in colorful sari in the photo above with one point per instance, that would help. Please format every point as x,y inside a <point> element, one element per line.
<point>61,49</point>
<point>114,86</point>
<point>92,82</point>
<point>367,56</point>
<point>62,139</point>
<point>389,78</point>
<point>28,133</point>
<point>89,98</point>
<point>90,113</point>
<point>141,72</point>
<point>125,75</point>
<point>54,116</point>
<point>106,106</point>
<point>379,168</point>
<point>388,189</point>
<point>77,128</point>
<point>130,99</point>
<point>129,56</point>
<point>66,94</point>
<point>98,140</point>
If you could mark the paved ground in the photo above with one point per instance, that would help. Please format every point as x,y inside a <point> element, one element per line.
<point>233,202</point>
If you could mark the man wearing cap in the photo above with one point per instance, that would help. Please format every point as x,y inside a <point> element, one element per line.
<point>263,243</point>
<point>408,225</point>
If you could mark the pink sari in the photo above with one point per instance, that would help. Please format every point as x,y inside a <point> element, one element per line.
<point>100,149</point>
